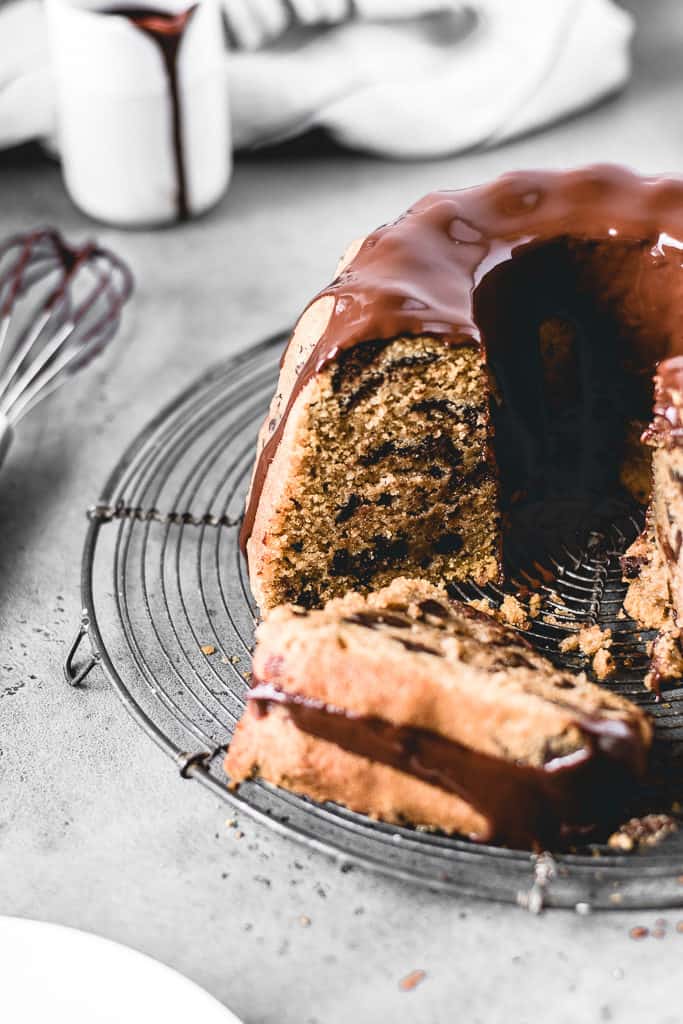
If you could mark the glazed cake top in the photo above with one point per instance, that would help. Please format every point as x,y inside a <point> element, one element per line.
<point>420,274</point>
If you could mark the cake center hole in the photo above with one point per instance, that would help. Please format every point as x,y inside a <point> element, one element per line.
<point>573,388</point>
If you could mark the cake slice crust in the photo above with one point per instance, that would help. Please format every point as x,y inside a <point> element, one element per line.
<point>407,687</point>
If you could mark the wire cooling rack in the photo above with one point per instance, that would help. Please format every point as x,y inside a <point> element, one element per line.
<point>169,618</point>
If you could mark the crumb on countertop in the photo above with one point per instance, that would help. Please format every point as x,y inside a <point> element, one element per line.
<point>411,980</point>
<point>208,649</point>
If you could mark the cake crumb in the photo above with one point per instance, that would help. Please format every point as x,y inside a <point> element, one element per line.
<point>411,980</point>
<point>667,659</point>
<point>639,932</point>
<point>208,649</point>
<point>647,831</point>
<point>588,641</point>
<point>304,921</point>
<point>511,611</point>
<point>604,665</point>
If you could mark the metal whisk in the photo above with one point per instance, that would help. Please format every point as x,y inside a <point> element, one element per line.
<point>59,306</point>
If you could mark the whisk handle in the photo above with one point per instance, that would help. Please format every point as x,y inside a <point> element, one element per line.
<point>5,436</point>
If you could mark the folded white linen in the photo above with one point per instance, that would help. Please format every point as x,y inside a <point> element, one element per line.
<point>411,86</point>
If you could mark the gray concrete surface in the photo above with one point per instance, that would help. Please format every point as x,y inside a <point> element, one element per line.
<point>96,829</point>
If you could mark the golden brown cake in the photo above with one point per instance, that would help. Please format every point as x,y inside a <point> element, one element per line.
<point>411,707</point>
<point>493,346</point>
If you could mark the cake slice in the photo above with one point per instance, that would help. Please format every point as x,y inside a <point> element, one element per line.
<point>411,707</point>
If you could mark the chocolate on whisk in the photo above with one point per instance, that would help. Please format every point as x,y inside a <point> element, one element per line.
<point>59,306</point>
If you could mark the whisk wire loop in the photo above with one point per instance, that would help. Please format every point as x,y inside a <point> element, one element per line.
<point>59,306</point>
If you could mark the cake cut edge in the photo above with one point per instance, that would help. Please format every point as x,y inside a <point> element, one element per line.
<point>320,738</point>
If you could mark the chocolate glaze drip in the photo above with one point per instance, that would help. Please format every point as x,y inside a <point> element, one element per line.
<point>167,30</point>
<point>525,806</point>
<point>420,274</point>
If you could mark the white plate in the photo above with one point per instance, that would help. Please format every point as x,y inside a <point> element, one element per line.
<point>55,975</point>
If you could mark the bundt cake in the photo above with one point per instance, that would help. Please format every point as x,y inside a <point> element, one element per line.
<point>493,350</point>
<point>492,346</point>
<point>412,707</point>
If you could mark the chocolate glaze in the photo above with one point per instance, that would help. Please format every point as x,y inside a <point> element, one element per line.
<point>525,806</point>
<point>420,275</point>
<point>31,247</point>
<point>167,30</point>
<point>43,255</point>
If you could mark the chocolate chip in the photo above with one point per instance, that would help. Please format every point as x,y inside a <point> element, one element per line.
<point>415,645</point>
<point>431,607</point>
<point>448,544</point>
<point>416,359</point>
<point>341,562</point>
<point>373,619</point>
<point>371,384</point>
<point>346,511</point>
<point>431,447</point>
<point>511,660</point>
<point>632,565</point>
<point>376,455</point>
<point>468,414</point>
<point>354,361</point>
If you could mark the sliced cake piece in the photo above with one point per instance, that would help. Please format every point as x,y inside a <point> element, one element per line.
<point>410,707</point>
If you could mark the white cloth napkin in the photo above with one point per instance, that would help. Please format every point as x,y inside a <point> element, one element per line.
<point>407,87</point>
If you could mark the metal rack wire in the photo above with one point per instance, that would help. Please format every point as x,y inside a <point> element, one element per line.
<point>169,618</point>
